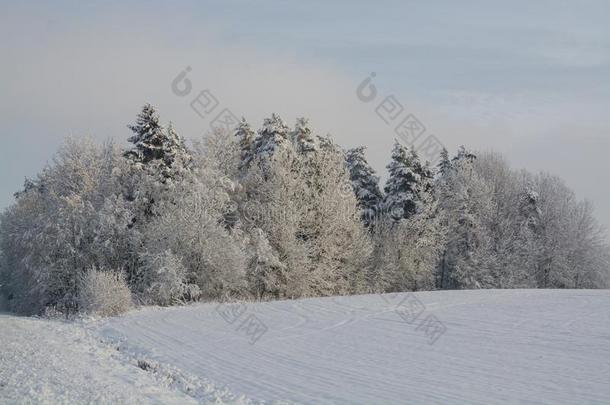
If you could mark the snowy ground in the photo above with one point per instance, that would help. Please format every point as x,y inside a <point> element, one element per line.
<point>59,363</point>
<point>526,346</point>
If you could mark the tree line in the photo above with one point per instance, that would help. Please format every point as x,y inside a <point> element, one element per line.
<point>282,213</point>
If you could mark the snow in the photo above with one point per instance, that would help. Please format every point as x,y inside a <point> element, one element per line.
<point>525,346</point>
<point>54,362</point>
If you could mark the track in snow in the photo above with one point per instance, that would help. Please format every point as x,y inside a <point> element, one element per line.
<point>530,346</point>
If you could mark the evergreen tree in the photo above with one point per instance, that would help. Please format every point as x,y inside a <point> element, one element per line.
<point>464,155</point>
<point>444,165</point>
<point>302,137</point>
<point>271,137</point>
<point>245,139</point>
<point>326,144</point>
<point>401,189</point>
<point>176,155</point>
<point>426,179</point>
<point>153,144</point>
<point>148,138</point>
<point>364,183</point>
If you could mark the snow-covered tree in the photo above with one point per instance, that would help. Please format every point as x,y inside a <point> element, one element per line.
<point>156,146</point>
<point>274,204</point>
<point>464,156</point>
<point>272,137</point>
<point>365,184</point>
<point>425,186</point>
<point>465,203</point>
<point>159,162</point>
<point>407,252</point>
<point>302,137</point>
<point>176,155</point>
<point>402,187</point>
<point>149,136</point>
<point>339,244</point>
<point>166,281</point>
<point>61,226</point>
<point>587,261</point>
<point>509,224</point>
<point>264,266</point>
<point>190,223</point>
<point>444,164</point>
<point>245,138</point>
<point>314,231</point>
<point>571,248</point>
<point>279,215</point>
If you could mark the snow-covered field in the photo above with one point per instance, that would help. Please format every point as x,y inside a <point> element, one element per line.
<point>524,346</point>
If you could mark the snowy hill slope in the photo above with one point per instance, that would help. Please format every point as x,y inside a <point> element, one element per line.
<point>490,346</point>
<point>53,362</point>
<point>530,346</point>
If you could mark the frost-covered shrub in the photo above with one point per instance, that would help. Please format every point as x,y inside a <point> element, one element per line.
<point>103,293</point>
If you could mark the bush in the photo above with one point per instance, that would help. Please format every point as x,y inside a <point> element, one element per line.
<point>103,293</point>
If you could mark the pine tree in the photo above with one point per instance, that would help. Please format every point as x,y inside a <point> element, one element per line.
<point>364,183</point>
<point>401,189</point>
<point>426,179</point>
<point>464,155</point>
<point>148,138</point>
<point>153,144</point>
<point>245,139</point>
<point>271,137</point>
<point>444,164</point>
<point>326,143</point>
<point>176,154</point>
<point>302,137</point>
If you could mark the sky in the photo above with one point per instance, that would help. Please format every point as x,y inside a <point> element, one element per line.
<point>529,79</point>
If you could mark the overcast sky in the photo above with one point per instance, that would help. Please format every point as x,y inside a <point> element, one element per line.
<point>530,79</point>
